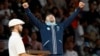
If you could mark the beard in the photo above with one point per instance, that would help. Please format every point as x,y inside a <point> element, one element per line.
<point>20,30</point>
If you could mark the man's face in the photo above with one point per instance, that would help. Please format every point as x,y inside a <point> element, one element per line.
<point>50,18</point>
<point>19,28</point>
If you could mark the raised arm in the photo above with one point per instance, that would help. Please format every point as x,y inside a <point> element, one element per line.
<point>31,16</point>
<point>70,18</point>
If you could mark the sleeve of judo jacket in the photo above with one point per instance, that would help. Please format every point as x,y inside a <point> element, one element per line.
<point>33,19</point>
<point>68,20</point>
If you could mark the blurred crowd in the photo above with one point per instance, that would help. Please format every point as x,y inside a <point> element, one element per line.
<point>81,37</point>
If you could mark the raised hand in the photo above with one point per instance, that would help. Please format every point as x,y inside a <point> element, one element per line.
<point>25,5</point>
<point>81,4</point>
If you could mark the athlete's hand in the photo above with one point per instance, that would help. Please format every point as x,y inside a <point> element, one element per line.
<point>25,5</point>
<point>81,4</point>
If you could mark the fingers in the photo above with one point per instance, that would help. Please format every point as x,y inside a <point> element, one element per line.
<point>25,5</point>
<point>81,4</point>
